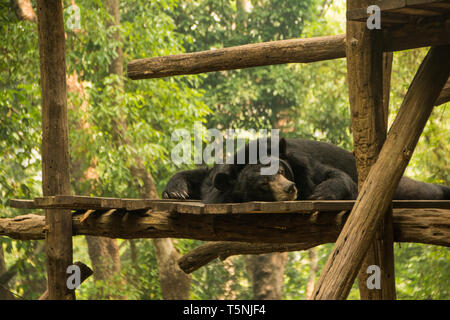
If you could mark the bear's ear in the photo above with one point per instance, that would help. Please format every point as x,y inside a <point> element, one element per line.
<point>222,181</point>
<point>282,146</point>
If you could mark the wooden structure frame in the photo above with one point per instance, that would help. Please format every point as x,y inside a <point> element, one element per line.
<point>381,158</point>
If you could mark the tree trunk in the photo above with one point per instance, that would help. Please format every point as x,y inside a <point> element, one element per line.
<point>175,284</point>
<point>313,268</point>
<point>55,144</point>
<point>103,252</point>
<point>5,294</point>
<point>266,273</point>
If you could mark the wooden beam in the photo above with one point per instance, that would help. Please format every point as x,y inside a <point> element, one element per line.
<point>194,206</point>
<point>55,144</point>
<point>430,226</point>
<point>376,195</point>
<point>284,51</point>
<point>445,95</point>
<point>420,34</point>
<point>369,110</point>
<point>245,56</point>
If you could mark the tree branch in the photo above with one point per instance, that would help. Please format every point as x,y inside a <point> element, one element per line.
<point>204,254</point>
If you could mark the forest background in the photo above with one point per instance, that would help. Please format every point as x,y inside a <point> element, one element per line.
<point>120,138</point>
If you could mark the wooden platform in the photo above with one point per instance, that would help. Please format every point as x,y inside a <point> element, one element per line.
<point>77,203</point>
<point>400,12</point>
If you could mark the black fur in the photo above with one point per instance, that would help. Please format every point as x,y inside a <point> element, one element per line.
<point>319,170</point>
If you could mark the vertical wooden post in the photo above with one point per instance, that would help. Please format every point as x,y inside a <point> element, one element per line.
<point>379,187</point>
<point>369,84</point>
<point>55,144</point>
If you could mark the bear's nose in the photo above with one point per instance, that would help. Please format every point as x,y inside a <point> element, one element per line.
<point>290,188</point>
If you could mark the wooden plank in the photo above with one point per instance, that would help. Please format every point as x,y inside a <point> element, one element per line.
<point>427,2</point>
<point>437,6</point>
<point>97,203</point>
<point>417,12</point>
<point>75,202</point>
<point>217,209</point>
<point>22,204</point>
<point>376,195</point>
<point>55,144</point>
<point>429,32</point>
<point>192,208</point>
<point>401,8</point>
<point>437,204</point>
<point>245,207</point>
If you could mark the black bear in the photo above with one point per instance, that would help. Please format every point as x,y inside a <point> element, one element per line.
<point>307,170</point>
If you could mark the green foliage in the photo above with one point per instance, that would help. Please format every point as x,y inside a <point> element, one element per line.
<point>303,100</point>
<point>422,272</point>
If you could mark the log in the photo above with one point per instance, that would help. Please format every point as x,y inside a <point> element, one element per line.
<point>429,226</point>
<point>55,144</point>
<point>368,84</point>
<point>284,51</point>
<point>376,195</point>
<point>239,57</point>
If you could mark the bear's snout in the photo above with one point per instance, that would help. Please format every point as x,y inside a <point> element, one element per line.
<point>290,189</point>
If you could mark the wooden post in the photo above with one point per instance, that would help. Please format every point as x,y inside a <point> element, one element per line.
<point>369,84</point>
<point>55,144</point>
<point>376,195</point>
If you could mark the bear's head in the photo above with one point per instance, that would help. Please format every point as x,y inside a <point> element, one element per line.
<point>251,185</point>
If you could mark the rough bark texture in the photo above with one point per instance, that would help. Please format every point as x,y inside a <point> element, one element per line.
<point>313,268</point>
<point>410,36</point>
<point>251,55</point>
<point>175,284</point>
<point>55,144</point>
<point>429,226</point>
<point>104,254</point>
<point>267,273</point>
<point>207,252</point>
<point>368,82</point>
<point>376,195</point>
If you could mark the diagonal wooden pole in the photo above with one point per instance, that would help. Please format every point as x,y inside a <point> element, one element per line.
<point>55,144</point>
<point>376,195</point>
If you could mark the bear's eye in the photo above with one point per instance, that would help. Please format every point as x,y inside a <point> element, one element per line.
<point>262,185</point>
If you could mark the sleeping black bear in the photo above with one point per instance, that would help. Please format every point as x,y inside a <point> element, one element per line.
<point>307,170</point>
